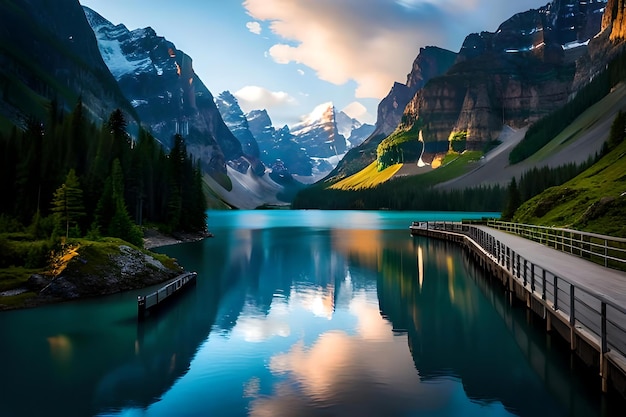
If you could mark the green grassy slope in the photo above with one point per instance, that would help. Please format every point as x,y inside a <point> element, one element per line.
<point>594,201</point>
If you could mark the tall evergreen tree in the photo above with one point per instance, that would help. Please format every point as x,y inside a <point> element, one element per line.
<point>513,201</point>
<point>67,204</point>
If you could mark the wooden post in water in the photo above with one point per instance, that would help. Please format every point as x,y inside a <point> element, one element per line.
<point>141,306</point>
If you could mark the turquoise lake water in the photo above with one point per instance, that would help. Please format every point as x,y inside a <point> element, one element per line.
<point>300,313</point>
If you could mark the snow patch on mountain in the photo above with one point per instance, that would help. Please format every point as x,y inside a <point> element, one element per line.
<point>118,63</point>
<point>249,190</point>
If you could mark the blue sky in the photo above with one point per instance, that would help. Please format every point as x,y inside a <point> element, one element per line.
<point>288,56</point>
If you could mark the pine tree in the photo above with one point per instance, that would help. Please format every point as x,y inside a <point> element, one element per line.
<point>67,204</point>
<point>514,200</point>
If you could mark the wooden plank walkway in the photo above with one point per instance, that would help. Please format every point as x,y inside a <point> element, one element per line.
<point>609,283</point>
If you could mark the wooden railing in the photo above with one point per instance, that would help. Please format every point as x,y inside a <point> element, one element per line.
<point>604,250</point>
<point>152,300</point>
<point>601,318</point>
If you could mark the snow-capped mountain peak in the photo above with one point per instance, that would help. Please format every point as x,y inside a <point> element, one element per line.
<point>111,40</point>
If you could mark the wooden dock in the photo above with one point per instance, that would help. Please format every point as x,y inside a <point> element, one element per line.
<point>153,301</point>
<point>583,302</point>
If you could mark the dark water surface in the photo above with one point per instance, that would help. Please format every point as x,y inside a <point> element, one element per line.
<point>299,313</point>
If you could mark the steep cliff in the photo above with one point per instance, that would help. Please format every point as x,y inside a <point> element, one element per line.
<point>523,71</point>
<point>49,53</point>
<point>278,149</point>
<point>160,82</point>
<point>318,133</point>
<point>429,63</point>
<point>615,19</point>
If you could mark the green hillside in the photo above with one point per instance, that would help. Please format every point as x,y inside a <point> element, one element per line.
<point>594,201</point>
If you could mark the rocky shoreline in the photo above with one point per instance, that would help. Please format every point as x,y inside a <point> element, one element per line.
<point>155,239</point>
<point>98,272</point>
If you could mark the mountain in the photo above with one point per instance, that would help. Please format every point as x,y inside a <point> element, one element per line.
<point>353,130</point>
<point>237,123</point>
<point>311,148</point>
<point>557,60</point>
<point>615,18</point>
<point>429,63</point>
<point>515,76</point>
<point>169,97</point>
<point>278,149</point>
<point>160,82</point>
<point>318,133</point>
<point>49,59</point>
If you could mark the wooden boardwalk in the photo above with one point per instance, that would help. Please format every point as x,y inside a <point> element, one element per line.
<point>606,282</point>
<point>583,302</point>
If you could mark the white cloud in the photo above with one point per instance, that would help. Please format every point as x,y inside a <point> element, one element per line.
<point>254,27</point>
<point>357,111</point>
<point>279,104</point>
<point>374,43</point>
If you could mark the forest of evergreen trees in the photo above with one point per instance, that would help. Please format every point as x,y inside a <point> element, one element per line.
<point>407,193</point>
<point>69,177</point>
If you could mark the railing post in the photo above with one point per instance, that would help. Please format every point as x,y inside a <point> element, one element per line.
<point>604,350</point>
<point>543,284</point>
<point>508,258</point>
<point>532,277</point>
<point>556,292</point>
<point>606,253</point>
<point>572,318</point>
<point>572,297</point>
<point>525,272</point>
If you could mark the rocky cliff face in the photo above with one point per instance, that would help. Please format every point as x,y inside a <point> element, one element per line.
<point>353,130</point>
<point>236,121</point>
<point>318,133</point>
<point>48,52</point>
<point>614,19</point>
<point>278,149</point>
<point>160,82</point>
<point>514,76</point>
<point>429,63</point>
<point>90,275</point>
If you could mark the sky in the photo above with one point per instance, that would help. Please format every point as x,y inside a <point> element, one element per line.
<point>289,56</point>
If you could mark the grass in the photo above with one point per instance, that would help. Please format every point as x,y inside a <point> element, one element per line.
<point>594,201</point>
<point>97,254</point>
<point>452,166</point>
<point>369,177</point>
<point>397,138</point>
<point>15,277</point>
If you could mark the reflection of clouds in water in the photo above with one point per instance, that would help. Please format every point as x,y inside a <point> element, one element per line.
<point>371,326</point>
<point>369,374</point>
<point>252,387</point>
<point>253,326</point>
<point>319,301</point>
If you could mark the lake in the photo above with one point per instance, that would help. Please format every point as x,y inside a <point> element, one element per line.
<point>300,313</point>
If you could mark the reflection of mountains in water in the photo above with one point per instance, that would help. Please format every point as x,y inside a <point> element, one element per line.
<point>460,326</point>
<point>165,345</point>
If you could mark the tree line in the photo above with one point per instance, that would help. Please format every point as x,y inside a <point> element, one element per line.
<point>66,176</point>
<point>407,193</point>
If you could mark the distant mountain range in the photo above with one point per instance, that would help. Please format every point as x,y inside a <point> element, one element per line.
<point>309,149</point>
